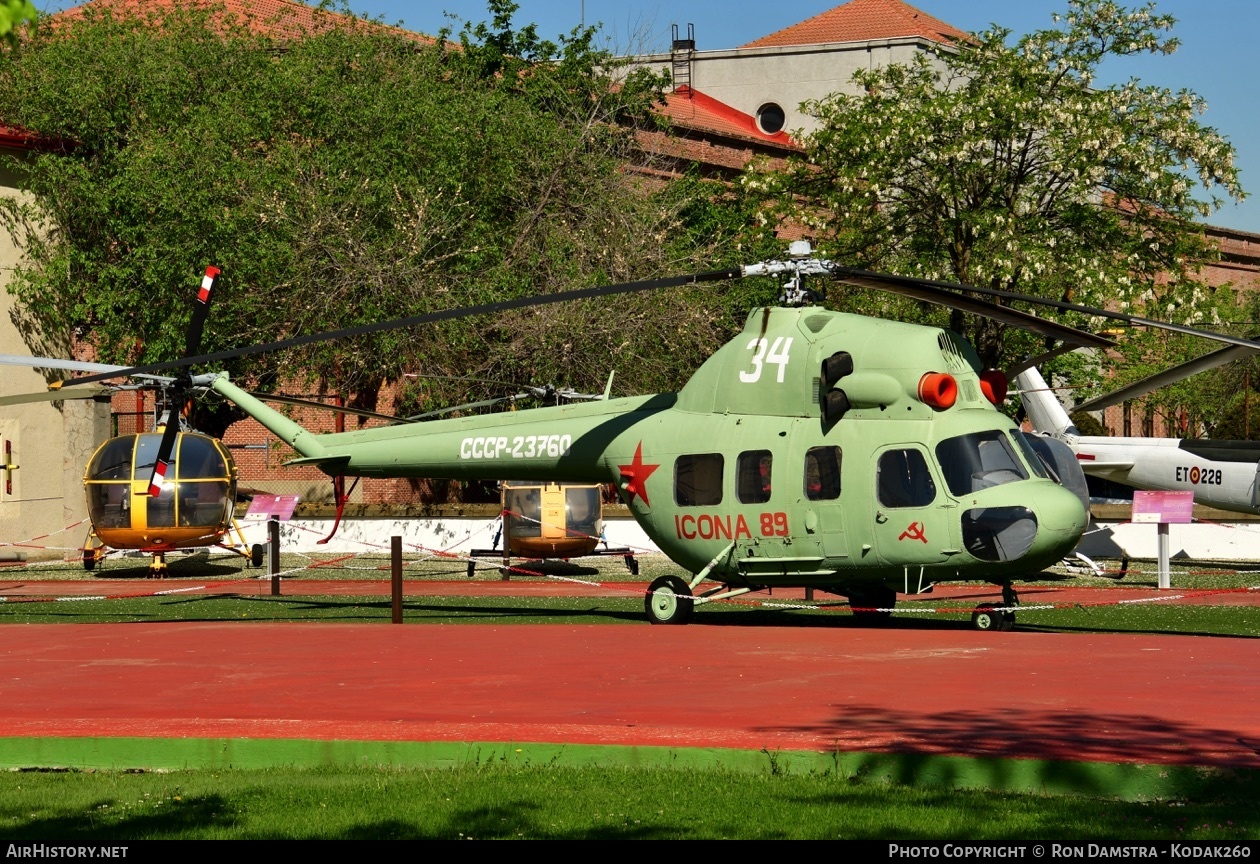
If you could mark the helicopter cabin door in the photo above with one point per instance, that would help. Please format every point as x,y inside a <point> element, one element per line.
<point>818,503</point>
<point>911,514</point>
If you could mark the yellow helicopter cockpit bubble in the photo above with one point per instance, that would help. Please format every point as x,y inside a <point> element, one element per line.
<point>198,497</point>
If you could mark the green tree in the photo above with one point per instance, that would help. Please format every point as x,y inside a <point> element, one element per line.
<point>1008,166</point>
<point>13,14</point>
<point>342,177</point>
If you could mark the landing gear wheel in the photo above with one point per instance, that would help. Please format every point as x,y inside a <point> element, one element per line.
<point>987,617</point>
<point>632,564</point>
<point>256,555</point>
<point>668,601</point>
<point>89,560</point>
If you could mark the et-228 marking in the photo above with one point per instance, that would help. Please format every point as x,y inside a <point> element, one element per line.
<point>516,447</point>
<point>1197,475</point>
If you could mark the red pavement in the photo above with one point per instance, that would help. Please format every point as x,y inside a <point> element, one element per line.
<point>941,689</point>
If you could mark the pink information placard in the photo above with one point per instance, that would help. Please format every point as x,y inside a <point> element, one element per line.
<point>280,506</point>
<point>1163,507</point>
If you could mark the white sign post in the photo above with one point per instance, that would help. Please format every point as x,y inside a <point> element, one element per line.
<point>1163,508</point>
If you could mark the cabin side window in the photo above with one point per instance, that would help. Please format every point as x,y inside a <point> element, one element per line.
<point>581,508</point>
<point>904,479</point>
<point>753,476</point>
<point>822,473</point>
<point>698,480</point>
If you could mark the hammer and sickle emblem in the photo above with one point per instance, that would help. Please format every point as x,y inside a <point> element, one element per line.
<point>913,532</point>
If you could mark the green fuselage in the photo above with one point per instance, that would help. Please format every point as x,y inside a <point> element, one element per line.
<point>742,466</point>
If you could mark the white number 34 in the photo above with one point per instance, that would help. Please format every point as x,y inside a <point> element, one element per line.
<point>778,355</point>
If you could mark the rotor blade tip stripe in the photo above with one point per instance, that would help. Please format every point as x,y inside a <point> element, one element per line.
<point>159,477</point>
<point>207,283</point>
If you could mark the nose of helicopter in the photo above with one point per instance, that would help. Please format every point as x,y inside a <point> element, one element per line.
<point>1036,525</point>
<point>1061,519</point>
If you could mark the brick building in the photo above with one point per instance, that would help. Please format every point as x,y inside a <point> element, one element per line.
<point>727,106</point>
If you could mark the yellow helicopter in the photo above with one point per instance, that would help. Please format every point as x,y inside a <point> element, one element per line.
<point>194,506</point>
<point>136,501</point>
<point>543,520</point>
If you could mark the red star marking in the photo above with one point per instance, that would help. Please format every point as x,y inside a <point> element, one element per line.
<point>636,474</point>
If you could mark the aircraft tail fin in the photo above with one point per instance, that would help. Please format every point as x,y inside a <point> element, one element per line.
<point>1045,412</point>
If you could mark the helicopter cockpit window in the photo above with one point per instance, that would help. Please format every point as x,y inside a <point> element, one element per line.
<point>698,480</point>
<point>979,461</point>
<point>113,460</point>
<point>146,454</point>
<point>109,504</point>
<point>904,479</point>
<point>203,482</point>
<point>199,459</point>
<point>524,504</point>
<point>1039,466</point>
<point>754,476</point>
<point>822,473</point>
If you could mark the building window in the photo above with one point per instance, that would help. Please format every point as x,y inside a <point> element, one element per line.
<point>771,119</point>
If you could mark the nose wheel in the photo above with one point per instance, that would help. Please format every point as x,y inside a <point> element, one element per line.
<point>990,617</point>
<point>669,601</point>
<point>157,567</point>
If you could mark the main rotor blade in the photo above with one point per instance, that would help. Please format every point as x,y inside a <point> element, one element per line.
<point>430,318</point>
<point>71,366</point>
<point>201,308</point>
<point>1135,320</point>
<point>484,403</point>
<point>164,462</point>
<point>1219,357</point>
<point>322,406</point>
<point>946,294</point>
<point>55,395</point>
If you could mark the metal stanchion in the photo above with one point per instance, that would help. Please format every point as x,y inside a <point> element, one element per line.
<point>273,558</point>
<point>395,576</point>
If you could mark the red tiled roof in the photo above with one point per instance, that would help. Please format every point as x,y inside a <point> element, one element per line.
<point>692,109</point>
<point>859,21</point>
<point>280,19</point>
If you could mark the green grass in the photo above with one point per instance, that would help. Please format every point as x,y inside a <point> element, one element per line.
<point>550,802</point>
<point>1158,618</point>
<point>376,565</point>
<point>564,801</point>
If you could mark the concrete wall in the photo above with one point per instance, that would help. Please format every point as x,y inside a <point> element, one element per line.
<point>1233,542</point>
<point>49,443</point>
<point>748,78</point>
